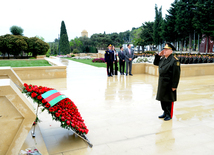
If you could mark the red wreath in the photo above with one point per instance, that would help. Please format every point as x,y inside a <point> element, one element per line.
<point>64,111</point>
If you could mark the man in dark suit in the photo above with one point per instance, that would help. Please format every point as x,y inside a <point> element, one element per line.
<point>109,58</point>
<point>121,60</point>
<point>129,55</point>
<point>169,75</point>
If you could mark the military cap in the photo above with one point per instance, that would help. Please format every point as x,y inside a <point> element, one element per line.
<point>109,45</point>
<point>170,46</point>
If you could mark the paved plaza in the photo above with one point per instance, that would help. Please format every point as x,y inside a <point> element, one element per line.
<point>121,114</point>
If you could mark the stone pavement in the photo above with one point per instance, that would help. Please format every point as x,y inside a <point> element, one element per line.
<point>122,115</point>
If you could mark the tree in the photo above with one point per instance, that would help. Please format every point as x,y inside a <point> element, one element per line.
<point>100,40</point>
<point>204,21</point>
<point>147,33</point>
<point>138,38</point>
<point>184,19</point>
<point>37,46</point>
<point>75,43</point>
<point>2,46</point>
<point>18,45</point>
<point>157,26</point>
<point>115,39</point>
<point>15,30</point>
<point>43,39</point>
<point>168,26</point>
<point>63,42</point>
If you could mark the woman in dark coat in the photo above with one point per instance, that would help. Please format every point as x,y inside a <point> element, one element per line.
<point>169,75</point>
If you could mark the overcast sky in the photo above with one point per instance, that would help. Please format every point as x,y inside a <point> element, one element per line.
<point>43,17</point>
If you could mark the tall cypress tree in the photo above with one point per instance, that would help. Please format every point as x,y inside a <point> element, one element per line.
<point>63,42</point>
<point>157,25</point>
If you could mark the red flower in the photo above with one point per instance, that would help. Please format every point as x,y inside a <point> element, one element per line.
<point>25,84</point>
<point>33,95</point>
<point>43,101</point>
<point>51,109</point>
<point>62,118</point>
<point>68,122</point>
<point>39,97</point>
<point>47,105</point>
<point>57,114</point>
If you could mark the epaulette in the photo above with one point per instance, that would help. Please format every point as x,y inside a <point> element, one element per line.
<point>176,58</point>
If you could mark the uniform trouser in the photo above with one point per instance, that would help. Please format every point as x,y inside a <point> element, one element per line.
<point>167,107</point>
<point>129,65</point>
<point>109,68</point>
<point>122,66</point>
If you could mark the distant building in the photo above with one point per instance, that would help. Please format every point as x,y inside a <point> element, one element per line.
<point>84,33</point>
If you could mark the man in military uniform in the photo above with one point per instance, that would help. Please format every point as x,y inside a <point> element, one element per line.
<point>179,57</point>
<point>109,58</point>
<point>182,59</point>
<point>204,60</point>
<point>199,59</point>
<point>209,60</point>
<point>195,59</point>
<point>169,75</point>
<point>186,61</point>
<point>190,59</point>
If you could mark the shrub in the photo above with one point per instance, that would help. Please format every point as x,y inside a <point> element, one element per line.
<point>32,58</point>
<point>93,50</point>
<point>150,52</point>
<point>75,51</point>
<point>48,53</point>
<point>102,60</point>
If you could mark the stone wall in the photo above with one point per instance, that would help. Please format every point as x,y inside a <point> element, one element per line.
<point>16,113</point>
<point>47,72</point>
<point>186,70</point>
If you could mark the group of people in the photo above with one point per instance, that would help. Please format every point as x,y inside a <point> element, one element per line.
<point>194,59</point>
<point>125,58</point>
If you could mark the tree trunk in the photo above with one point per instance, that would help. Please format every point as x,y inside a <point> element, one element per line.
<point>182,45</point>
<point>207,45</point>
<point>186,45</point>
<point>179,46</point>
<point>190,42</point>
<point>198,43</point>
<point>142,48</point>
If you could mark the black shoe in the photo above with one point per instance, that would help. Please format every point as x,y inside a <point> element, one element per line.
<point>108,75</point>
<point>162,116</point>
<point>167,118</point>
<point>126,74</point>
<point>130,74</point>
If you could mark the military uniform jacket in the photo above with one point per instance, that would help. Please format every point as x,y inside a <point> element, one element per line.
<point>109,56</point>
<point>169,75</point>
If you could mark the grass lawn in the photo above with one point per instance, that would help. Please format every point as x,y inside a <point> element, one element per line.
<point>23,63</point>
<point>89,62</point>
<point>96,64</point>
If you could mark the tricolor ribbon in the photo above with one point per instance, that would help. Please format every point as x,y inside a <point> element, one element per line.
<point>53,97</point>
